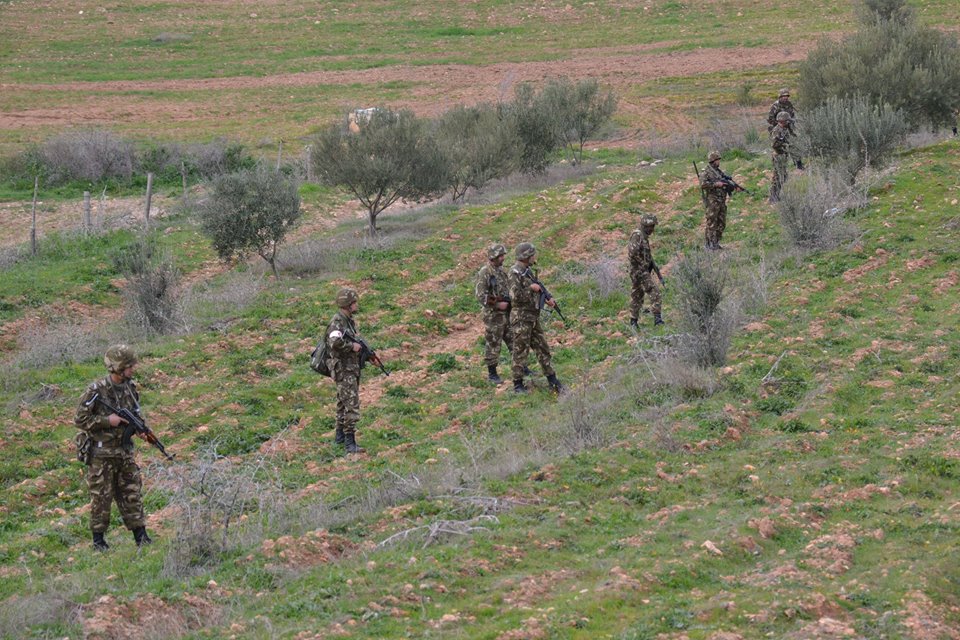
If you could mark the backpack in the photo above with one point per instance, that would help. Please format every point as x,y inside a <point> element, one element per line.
<point>318,359</point>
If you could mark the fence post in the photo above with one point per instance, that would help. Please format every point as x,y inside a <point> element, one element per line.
<point>86,211</point>
<point>279,154</point>
<point>33,217</point>
<point>307,163</point>
<point>183,179</point>
<point>100,208</point>
<point>146,213</point>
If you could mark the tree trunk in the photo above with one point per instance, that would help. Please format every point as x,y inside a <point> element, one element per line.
<point>373,224</point>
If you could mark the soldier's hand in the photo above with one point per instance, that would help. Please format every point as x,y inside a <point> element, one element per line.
<point>503,306</point>
<point>551,302</point>
<point>535,287</point>
<point>115,420</point>
<point>719,184</point>
<point>356,347</point>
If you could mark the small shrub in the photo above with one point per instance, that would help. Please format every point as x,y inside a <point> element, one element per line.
<point>214,304</point>
<point>576,111</point>
<point>811,211</point>
<point>533,125</point>
<point>849,134</point>
<point>603,278</point>
<point>88,155</point>
<point>250,211</point>
<point>744,96</point>
<point>479,146</point>
<point>708,316</point>
<point>151,297</point>
<point>443,362</point>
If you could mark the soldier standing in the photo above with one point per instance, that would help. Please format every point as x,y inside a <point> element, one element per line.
<point>780,140</point>
<point>715,189</point>
<point>112,472</point>
<point>493,292</point>
<point>527,333</point>
<point>344,363</point>
<point>641,271</point>
<point>782,104</point>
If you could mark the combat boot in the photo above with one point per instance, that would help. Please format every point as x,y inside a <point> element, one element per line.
<point>338,437</point>
<point>99,544</point>
<point>140,536</point>
<point>526,371</point>
<point>555,385</point>
<point>518,386</point>
<point>657,319</point>
<point>351,444</point>
<point>492,374</point>
<point>633,323</point>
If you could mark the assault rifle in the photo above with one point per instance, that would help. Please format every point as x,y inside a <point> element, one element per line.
<point>366,353</point>
<point>656,270</point>
<point>730,185</point>
<point>544,295</point>
<point>135,425</point>
<point>492,298</point>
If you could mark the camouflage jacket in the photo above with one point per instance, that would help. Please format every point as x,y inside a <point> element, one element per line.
<point>638,252</point>
<point>780,139</point>
<point>343,359</point>
<point>776,108</point>
<point>94,420</point>
<point>491,281</point>
<point>708,179</point>
<point>524,299</point>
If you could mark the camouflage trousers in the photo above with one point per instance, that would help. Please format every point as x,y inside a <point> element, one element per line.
<point>643,284</point>
<point>498,330</point>
<point>780,161</point>
<point>348,402</point>
<point>527,335</point>
<point>115,477</point>
<point>716,222</point>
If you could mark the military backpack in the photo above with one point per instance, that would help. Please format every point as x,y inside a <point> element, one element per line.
<point>318,359</point>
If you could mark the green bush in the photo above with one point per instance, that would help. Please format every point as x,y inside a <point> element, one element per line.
<point>891,59</point>
<point>250,211</point>
<point>577,111</point>
<point>708,315</point>
<point>479,146</point>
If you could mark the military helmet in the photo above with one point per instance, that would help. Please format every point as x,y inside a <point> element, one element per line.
<point>346,297</point>
<point>714,155</point>
<point>525,251</point>
<point>495,251</point>
<point>119,357</point>
<point>784,93</point>
<point>783,116</point>
<point>648,220</point>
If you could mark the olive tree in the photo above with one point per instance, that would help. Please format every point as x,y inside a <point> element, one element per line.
<point>479,146</point>
<point>392,157</point>
<point>577,111</point>
<point>250,211</point>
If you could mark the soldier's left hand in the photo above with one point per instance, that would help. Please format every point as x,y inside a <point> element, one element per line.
<point>552,302</point>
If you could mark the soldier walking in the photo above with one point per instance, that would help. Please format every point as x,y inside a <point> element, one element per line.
<point>112,472</point>
<point>782,104</point>
<point>641,271</point>
<point>493,292</point>
<point>527,333</point>
<point>715,188</point>
<point>780,140</point>
<point>344,363</point>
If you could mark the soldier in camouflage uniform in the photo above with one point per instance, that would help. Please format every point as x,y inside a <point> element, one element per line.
<point>112,472</point>
<point>780,140</point>
<point>782,104</point>
<point>527,332</point>
<point>344,363</point>
<point>714,190</point>
<point>641,272</point>
<point>493,293</point>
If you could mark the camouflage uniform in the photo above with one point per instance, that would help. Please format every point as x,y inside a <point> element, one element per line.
<point>715,201</point>
<point>344,366</point>
<point>113,473</point>
<point>492,281</point>
<point>780,140</point>
<point>641,275</point>
<point>776,108</point>
<point>527,332</point>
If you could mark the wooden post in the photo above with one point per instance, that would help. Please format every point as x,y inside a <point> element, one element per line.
<point>307,162</point>
<point>33,216</point>
<point>146,213</point>
<point>86,212</point>
<point>183,179</point>
<point>101,208</point>
<point>279,154</point>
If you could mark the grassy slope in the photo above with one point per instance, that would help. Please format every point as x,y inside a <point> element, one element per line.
<point>843,477</point>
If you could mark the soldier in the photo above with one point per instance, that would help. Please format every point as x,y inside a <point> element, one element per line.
<point>714,189</point>
<point>344,363</point>
<point>780,140</point>
<point>641,271</point>
<point>527,333</point>
<point>493,292</point>
<point>782,104</point>
<point>112,472</point>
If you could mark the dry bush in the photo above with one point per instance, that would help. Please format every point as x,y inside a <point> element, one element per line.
<point>601,278</point>
<point>152,298</point>
<point>90,155</point>
<point>588,412</point>
<point>57,606</point>
<point>213,304</point>
<point>670,144</point>
<point>811,210</point>
<point>60,343</point>
<point>707,314</point>
<point>523,183</point>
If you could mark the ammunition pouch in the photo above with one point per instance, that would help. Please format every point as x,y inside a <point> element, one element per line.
<point>84,447</point>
